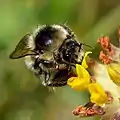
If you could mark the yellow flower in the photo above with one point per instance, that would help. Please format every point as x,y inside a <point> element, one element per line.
<point>114,72</point>
<point>83,78</point>
<point>84,64</point>
<point>81,81</point>
<point>98,95</point>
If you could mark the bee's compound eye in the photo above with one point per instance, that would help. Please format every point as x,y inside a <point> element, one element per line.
<point>71,44</point>
<point>71,51</point>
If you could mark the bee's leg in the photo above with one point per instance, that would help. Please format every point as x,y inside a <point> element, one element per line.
<point>80,47</point>
<point>47,77</point>
<point>55,84</point>
<point>81,53</point>
<point>38,73</point>
<point>60,78</point>
<point>44,77</point>
<point>75,56</point>
<point>37,68</point>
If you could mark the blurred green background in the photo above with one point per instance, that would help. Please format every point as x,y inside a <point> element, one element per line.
<point>22,97</point>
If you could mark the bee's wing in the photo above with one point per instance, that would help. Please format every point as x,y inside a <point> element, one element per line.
<point>22,49</point>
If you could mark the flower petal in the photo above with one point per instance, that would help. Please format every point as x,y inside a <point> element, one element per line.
<point>71,80</point>
<point>114,72</point>
<point>77,84</point>
<point>98,95</point>
<point>84,64</point>
<point>82,72</point>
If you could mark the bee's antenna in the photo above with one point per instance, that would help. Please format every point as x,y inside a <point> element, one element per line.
<point>88,45</point>
<point>65,22</point>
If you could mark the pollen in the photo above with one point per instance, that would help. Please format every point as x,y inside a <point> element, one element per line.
<point>105,44</point>
<point>105,58</point>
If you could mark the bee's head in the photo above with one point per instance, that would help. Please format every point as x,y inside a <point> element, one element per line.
<point>57,43</point>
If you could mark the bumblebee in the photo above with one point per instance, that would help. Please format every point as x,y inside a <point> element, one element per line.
<point>50,52</point>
